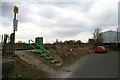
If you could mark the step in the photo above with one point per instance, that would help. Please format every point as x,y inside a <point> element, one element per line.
<point>45,61</point>
<point>41,55</point>
<point>59,64</point>
<point>46,54</point>
<point>54,61</point>
<point>48,58</point>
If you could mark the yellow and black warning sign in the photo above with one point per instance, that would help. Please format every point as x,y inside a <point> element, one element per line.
<point>16,9</point>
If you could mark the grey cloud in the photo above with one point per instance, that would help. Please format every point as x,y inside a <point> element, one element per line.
<point>104,15</point>
<point>69,22</point>
<point>49,12</point>
<point>57,22</point>
<point>69,5</point>
<point>7,9</point>
<point>106,19</point>
<point>0,9</point>
<point>67,32</point>
<point>78,6</point>
<point>119,16</point>
<point>24,11</point>
<point>69,27</point>
<point>0,14</point>
<point>7,13</point>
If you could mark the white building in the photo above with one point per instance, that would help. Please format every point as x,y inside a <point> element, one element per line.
<point>110,37</point>
<point>118,34</point>
<point>119,29</point>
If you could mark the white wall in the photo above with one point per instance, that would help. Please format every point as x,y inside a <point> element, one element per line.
<point>110,37</point>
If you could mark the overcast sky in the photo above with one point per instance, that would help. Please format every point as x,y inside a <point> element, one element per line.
<point>69,20</point>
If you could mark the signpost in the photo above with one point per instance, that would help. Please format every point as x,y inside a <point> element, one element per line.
<point>15,9</point>
<point>15,24</point>
<point>15,21</point>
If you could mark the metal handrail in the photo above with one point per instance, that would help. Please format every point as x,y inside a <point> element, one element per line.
<point>40,50</point>
<point>40,46</point>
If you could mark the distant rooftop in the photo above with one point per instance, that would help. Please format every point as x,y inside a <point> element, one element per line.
<point>109,31</point>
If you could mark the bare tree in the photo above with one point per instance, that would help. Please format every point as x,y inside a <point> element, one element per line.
<point>97,37</point>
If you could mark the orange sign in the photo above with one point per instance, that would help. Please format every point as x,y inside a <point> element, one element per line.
<point>15,9</point>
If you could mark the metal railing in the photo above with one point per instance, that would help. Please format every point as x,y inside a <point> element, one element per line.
<point>39,50</point>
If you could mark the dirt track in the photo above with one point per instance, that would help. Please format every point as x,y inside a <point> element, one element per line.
<point>34,60</point>
<point>61,72</point>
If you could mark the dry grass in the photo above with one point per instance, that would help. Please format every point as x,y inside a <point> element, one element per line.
<point>25,70</point>
<point>67,56</point>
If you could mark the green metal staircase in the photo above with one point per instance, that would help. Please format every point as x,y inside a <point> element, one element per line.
<point>44,52</point>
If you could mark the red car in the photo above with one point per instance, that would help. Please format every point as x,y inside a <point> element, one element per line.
<point>101,49</point>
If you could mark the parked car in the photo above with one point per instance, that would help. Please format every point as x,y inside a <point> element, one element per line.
<point>100,49</point>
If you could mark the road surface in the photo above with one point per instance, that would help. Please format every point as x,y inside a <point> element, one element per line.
<point>97,66</point>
